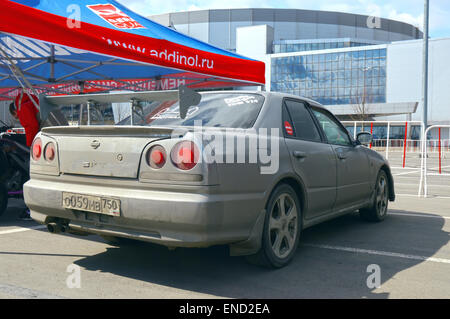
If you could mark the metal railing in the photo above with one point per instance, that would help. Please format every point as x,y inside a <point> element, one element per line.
<point>412,146</point>
<point>403,144</point>
<point>423,185</point>
<point>428,150</point>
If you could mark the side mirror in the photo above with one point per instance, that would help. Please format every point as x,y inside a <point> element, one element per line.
<point>364,138</point>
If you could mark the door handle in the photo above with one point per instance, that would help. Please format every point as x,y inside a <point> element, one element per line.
<point>300,155</point>
<point>341,155</point>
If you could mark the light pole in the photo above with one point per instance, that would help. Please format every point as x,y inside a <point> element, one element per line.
<point>365,92</point>
<point>425,62</point>
<point>365,70</point>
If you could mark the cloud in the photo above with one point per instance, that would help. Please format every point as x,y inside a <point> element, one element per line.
<point>373,9</point>
<point>339,7</point>
<point>408,18</point>
<point>409,11</point>
<point>147,7</point>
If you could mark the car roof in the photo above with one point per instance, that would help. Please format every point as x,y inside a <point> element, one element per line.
<point>269,94</point>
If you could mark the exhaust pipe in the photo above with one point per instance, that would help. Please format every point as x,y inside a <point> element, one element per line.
<point>56,228</point>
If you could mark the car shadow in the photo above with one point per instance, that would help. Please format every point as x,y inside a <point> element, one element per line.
<point>315,272</point>
<point>11,216</point>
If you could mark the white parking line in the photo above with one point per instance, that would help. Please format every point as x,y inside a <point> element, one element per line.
<point>418,215</point>
<point>412,195</point>
<point>21,229</point>
<point>407,173</point>
<point>21,292</point>
<point>417,170</point>
<point>379,253</point>
<point>409,184</point>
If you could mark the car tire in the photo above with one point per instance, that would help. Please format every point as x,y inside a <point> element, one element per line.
<point>3,199</point>
<point>282,228</point>
<point>377,212</point>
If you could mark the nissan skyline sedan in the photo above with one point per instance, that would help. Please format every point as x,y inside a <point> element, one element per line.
<point>250,170</point>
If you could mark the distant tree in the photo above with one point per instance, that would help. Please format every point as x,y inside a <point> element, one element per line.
<point>360,109</point>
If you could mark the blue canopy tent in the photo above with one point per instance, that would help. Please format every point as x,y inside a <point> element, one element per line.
<point>67,46</point>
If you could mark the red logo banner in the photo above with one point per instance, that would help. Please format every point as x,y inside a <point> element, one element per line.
<point>115,17</point>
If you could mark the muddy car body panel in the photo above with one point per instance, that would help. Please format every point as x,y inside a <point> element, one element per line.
<point>212,203</point>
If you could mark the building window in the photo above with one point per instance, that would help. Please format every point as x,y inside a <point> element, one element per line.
<point>287,47</point>
<point>334,78</point>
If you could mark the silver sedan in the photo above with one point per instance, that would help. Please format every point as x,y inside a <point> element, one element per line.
<point>247,169</point>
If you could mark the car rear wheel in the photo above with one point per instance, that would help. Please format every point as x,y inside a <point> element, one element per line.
<point>282,229</point>
<point>379,209</point>
<point>3,199</point>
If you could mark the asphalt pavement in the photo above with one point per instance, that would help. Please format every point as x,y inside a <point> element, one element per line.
<point>410,252</point>
<point>406,256</point>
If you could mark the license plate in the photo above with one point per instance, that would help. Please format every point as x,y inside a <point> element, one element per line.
<point>93,204</point>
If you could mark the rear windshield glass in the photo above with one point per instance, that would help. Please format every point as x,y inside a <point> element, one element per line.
<point>214,110</point>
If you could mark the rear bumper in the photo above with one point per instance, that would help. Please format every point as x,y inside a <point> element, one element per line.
<point>175,219</point>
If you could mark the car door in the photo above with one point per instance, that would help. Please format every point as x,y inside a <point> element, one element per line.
<point>353,184</point>
<point>312,159</point>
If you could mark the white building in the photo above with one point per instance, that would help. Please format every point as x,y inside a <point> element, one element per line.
<point>350,63</point>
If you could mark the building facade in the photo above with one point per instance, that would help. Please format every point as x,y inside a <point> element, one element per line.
<point>360,67</point>
<point>218,27</point>
<point>333,77</point>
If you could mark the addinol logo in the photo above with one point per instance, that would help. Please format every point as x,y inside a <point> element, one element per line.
<point>114,16</point>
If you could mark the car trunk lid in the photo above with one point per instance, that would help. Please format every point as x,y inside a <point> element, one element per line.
<point>103,151</point>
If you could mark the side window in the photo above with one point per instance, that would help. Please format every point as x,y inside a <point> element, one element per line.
<point>335,134</point>
<point>301,124</point>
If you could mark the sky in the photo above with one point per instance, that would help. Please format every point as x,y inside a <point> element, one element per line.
<point>410,11</point>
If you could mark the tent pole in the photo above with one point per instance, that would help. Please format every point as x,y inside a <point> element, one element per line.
<point>89,103</point>
<point>81,84</point>
<point>14,68</point>
<point>52,63</point>
<point>132,105</point>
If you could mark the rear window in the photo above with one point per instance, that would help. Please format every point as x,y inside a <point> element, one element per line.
<point>214,110</point>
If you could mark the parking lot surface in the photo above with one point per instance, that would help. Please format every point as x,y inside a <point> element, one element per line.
<point>409,255</point>
<point>411,249</point>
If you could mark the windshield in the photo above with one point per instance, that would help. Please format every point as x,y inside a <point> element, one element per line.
<point>215,110</point>
<point>228,110</point>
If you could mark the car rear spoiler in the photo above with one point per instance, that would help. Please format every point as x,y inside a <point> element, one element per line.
<point>185,95</point>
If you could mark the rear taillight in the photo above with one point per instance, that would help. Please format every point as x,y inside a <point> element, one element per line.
<point>36,149</point>
<point>185,155</point>
<point>156,157</point>
<point>49,153</point>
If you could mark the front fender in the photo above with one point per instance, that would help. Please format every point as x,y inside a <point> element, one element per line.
<point>378,162</point>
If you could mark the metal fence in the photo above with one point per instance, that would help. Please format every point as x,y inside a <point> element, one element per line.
<point>442,151</point>
<point>421,154</point>
<point>395,137</point>
<point>417,151</point>
<point>412,146</point>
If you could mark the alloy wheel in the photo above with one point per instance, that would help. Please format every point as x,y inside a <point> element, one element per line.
<point>382,196</point>
<point>283,226</point>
